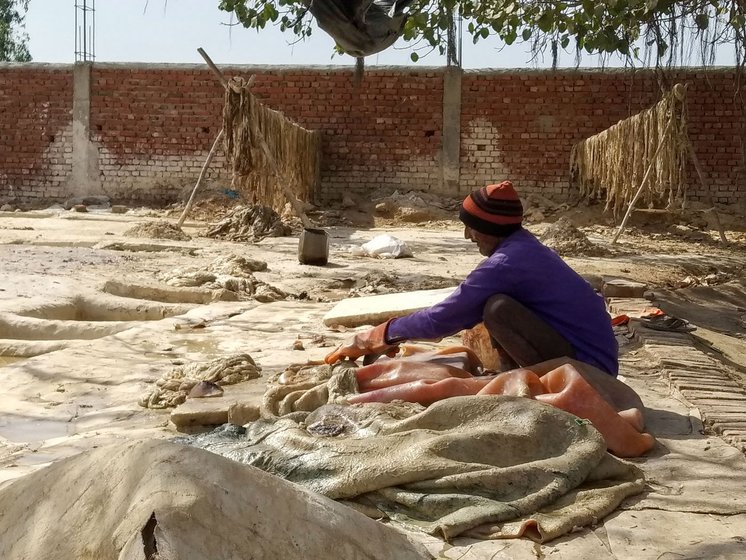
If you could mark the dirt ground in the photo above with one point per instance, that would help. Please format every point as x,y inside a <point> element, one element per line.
<point>91,316</point>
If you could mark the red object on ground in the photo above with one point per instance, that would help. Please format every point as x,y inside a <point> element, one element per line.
<point>620,320</point>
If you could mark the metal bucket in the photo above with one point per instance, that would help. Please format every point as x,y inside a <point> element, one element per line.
<point>313,247</point>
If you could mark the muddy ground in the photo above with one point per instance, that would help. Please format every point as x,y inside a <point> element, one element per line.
<point>93,313</point>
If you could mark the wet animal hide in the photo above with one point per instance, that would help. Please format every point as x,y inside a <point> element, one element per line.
<point>564,387</point>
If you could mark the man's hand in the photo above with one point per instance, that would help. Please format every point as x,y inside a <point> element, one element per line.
<point>372,341</point>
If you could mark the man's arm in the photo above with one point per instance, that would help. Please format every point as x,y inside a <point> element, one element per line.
<point>461,310</point>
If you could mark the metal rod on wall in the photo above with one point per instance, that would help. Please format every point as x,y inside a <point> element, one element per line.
<point>85,30</point>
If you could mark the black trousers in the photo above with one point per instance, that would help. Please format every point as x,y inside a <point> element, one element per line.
<point>519,336</point>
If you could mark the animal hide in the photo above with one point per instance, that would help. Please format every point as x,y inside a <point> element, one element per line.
<point>361,27</point>
<point>480,465</point>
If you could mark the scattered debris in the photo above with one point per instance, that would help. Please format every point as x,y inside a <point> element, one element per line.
<point>376,283</point>
<point>689,232</point>
<point>101,201</point>
<point>415,207</point>
<point>711,279</point>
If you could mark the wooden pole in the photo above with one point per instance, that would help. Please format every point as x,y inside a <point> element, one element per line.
<point>643,183</point>
<point>201,176</point>
<point>214,68</point>
<point>294,202</point>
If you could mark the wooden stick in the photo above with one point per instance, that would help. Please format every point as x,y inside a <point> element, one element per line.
<point>214,68</point>
<point>201,176</point>
<point>642,184</point>
<point>294,202</point>
<point>712,209</point>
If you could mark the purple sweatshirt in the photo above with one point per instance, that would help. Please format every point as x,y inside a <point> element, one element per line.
<point>532,274</point>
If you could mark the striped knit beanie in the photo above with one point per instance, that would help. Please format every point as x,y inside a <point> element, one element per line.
<point>493,210</point>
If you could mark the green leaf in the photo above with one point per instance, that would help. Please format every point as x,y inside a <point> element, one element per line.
<point>414,57</point>
<point>702,21</point>
<point>420,19</point>
<point>526,34</point>
<point>484,32</point>
<point>510,37</point>
<point>545,22</point>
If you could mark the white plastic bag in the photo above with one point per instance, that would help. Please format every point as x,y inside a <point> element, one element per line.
<point>384,247</point>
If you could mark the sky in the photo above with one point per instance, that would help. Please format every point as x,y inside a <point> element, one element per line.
<point>172,30</point>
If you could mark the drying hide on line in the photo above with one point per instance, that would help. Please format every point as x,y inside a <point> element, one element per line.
<point>613,162</point>
<point>268,154</point>
<point>361,27</point>
<point>482,466</point>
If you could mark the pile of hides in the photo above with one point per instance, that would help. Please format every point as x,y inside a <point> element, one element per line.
<point>613,162</point>
<point>480,466</point>
<point>174,387</point>
<point>269,155</point>
<point>249,223</point>
<point>157,500</point>
<point>233,273</point>
<point>361,27</point>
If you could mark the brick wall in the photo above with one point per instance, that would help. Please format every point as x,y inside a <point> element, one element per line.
<point>522,125</point>
<point>35,131</point>
<point>152,126</point>
<point>384,132</point>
